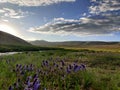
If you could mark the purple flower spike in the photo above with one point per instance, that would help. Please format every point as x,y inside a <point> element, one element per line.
<point>62,62</point>
<point>78,68</point>
<point>28,83</point>
<point>70,66</point>
<point>22,72</point>
<point>19,80</point>
<point>16,85</point>
<point>83,66</point>
<point>17,65</point>
<point>35,76</point>
<point>68,70</point>
<point>75,66</point>
<point>36,84</point>
<point>10,88</point>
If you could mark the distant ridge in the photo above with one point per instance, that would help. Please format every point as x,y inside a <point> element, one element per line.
<point>8,39</point>
<point>72,43</point>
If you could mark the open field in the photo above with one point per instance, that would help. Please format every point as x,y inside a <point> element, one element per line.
<point>78,45</point>
<point>61,70</point>
<point>112,48</point>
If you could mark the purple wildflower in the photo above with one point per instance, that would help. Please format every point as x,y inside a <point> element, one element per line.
<point>62,62</point>
<point>77,68</point>
<point>10,88</point>
<point>68,70</point>
<point>36,84</point>
<point>18,80</point>
<point>35,76</point>
<point>83,66</point>
<point>70,66</point>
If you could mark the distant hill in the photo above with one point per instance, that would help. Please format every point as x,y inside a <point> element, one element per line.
<point>72,43</point>
<point>8,39</point>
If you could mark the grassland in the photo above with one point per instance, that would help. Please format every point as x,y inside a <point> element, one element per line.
<point>112,48</point>
<point>78,45</point>
<point>52,68</point>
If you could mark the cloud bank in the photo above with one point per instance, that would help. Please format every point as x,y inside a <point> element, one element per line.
<point>34,2</point>
<point>103,19</point>
<point>82,27</point>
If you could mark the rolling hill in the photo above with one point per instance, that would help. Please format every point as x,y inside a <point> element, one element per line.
<point>72,43</point>
<point>8,39</point>
<point>91,45</point>
<point>11,43</point>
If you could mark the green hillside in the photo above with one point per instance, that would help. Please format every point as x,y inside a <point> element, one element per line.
<point>8,39</point>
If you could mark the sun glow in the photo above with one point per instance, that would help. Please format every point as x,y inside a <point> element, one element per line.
<point>8,29</point>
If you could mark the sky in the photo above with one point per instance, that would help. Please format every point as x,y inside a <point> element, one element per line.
<point>61,20</point>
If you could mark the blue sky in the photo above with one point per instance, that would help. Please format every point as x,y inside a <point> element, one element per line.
<point>62,20</point>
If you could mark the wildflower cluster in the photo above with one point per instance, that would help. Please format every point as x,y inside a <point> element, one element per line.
<point>52,71</point>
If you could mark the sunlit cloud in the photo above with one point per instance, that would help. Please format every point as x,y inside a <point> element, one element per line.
<point>5,20</point>
<point>84,26</point>
<point>34,2</point>
<point>100,6</point>
<point>11,13</point>
<point>2,11</point>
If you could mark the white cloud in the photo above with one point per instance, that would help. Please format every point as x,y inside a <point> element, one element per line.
<point>84,14</point>
<point>100,6</point>
<point>11,13</point>
<point>35,2</point>
<point>5,20</point>
<point>2,11</point>
<point>82,27</point>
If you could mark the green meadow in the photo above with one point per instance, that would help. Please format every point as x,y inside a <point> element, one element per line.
<point>55,70</point>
